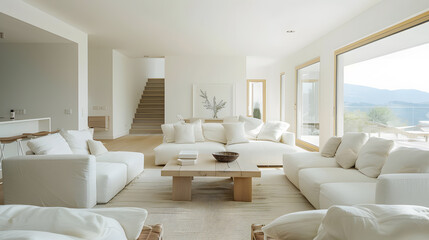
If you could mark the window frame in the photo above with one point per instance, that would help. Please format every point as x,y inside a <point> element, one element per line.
<point>264,97</point>
<point>299,142</point>
<point>402,26</point>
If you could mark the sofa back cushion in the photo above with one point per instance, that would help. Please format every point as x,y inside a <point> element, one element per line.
<point>252,126</point>
<point>331,147</point>
<point>235,133</point>
<point>273,130</point>
<point>78,140</point>
<point>49,145</point>
<point>184,133</point>
<point>373,155</point>
<point>381,222</point>
<point>407,160</point>
<point>214,132</point>
<point>347,152</point>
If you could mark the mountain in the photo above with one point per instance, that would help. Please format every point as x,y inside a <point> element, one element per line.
<point>354,94</point>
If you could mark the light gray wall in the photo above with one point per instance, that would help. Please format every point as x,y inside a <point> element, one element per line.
<point>41,78</point>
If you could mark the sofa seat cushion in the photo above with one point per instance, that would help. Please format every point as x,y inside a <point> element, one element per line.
<point>134,162</point>
<point>170,151</point>
<point>263,153</point>
<point>111,179</point>
<point>293,163</point>
<point>346,193</point>
<point>310,180</point>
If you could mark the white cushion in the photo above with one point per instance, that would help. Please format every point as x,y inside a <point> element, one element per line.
<point>96,147</point>
<point>133,160</point>
<point>65,221</point>
<point>331,147</point>
<point>168,132</point>
<point>295,226</point>
<point>310,180</point>
<point>263,153</point>
<point>346,193</point>
<point>78,140</point>
<point>230,119</point>
<point>372,156</point>
<point>33,235</point>
<point>375,222</point>
<point>198,130</point>
<point>170,151</point>
<point>347,152</point>
<point>214,132</point>
<point>184,133</point>
<point>272,131</point>
<point>407,160</point>
<point>49,145</point>
<point>234,133</point>
<point>252,126</point>
<point>111,179</point>
<point>294,162</point>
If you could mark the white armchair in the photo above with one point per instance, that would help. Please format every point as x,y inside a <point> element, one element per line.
<point>50,180</point>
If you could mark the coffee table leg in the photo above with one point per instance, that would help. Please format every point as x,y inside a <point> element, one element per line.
<point>182,188</point>
<point>243,189</point>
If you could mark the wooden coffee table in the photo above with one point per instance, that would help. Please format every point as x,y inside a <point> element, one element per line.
<point>207,166</point>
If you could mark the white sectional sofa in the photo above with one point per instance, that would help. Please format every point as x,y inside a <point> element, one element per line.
<point>67,177</point>
<point>325,183</point>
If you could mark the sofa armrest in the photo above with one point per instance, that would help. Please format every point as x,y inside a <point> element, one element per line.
<point>403,188</point>
<point>50,180</point>
<point>288,138</point>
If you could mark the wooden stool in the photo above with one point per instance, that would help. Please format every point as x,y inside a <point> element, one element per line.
<point>7,140</point>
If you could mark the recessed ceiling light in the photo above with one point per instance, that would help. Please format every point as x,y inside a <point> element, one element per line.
<point>290,31</point>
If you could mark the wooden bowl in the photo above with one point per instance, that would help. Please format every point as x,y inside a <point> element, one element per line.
<point>225,156</point>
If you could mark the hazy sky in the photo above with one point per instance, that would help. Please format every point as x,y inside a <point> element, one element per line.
<point>406,69</point>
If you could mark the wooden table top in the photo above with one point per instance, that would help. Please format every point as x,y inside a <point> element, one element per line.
<point>207,165</point>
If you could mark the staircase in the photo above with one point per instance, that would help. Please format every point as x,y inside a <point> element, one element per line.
<point>150,112</point>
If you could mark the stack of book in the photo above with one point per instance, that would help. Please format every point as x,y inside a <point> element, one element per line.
<point>188,157</point>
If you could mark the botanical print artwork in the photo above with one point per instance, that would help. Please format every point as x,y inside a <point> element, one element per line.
<point>213,106</point>
<point>213,100</point>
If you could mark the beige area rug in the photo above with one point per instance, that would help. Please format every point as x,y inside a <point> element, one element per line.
<point>212,214</point>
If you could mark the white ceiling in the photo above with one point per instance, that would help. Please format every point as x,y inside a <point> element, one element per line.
<point>204,27</point>
<point>16,31</point>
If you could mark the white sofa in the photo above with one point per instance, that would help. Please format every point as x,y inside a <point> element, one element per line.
<point>324,183</point>
<point>68,180</point>
<point>263,153</point>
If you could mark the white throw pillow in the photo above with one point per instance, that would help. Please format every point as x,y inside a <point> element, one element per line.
<point>252,126</point>
<point>214,132</point>
<point>331,147</point>
<point>407,160</point>
<point>198,130</point>
<point>96,147</point>
<point>78,140</point>
<point>273,130</point>
<point>230,119</point>
<point>295,226</point>
<point>235,133</point>
<point>373,155</point>
<point>49,145</point>
<point>375,222</point>
<point>184,133</point>
<point>168,132</point>
<point>347,152</point>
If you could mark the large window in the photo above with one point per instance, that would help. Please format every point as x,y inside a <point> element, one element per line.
<point>307,113</point>
<point>383,85</point>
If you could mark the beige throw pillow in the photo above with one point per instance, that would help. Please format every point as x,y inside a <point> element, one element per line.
<point>96,147</point>
<point>184,133</point>
<point>347,152</point>
<point>372,156</point>
<point>331,147</point>
<point>235,133</point>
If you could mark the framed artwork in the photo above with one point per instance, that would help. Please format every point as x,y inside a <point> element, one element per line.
<point>213,100</point>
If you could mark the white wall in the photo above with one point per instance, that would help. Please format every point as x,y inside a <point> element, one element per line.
<point>375,19</point>
<point>181,72</point>
<point>31,15</point>
<point>42,79</point>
